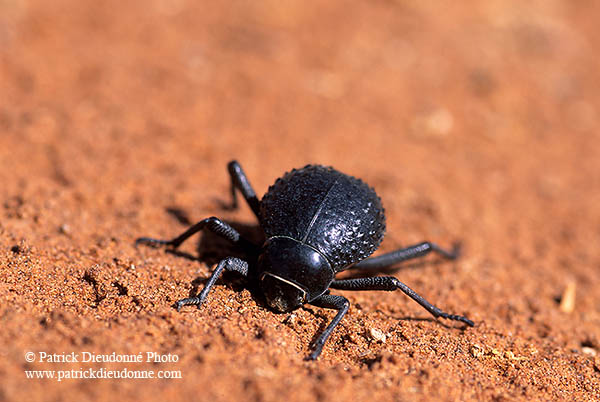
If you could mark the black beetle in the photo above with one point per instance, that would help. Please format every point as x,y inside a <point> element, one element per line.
<point>317,222</point>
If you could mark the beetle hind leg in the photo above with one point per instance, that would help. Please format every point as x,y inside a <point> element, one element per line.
<point>240,181</point>
<point>390,283</point>
<point>408,253</point>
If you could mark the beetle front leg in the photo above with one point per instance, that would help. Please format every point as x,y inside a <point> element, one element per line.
<point>229,264</point>
<point>390,283</point>
<point>213,224</point>
<point>328,301</point>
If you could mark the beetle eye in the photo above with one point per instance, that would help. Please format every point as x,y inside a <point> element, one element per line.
<point>282,295</point>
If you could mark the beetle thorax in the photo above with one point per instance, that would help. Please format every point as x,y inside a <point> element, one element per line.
<point>292,273</point>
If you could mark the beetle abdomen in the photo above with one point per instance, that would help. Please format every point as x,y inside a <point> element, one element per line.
<point>339,215</point>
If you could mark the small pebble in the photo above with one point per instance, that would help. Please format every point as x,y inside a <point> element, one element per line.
<point>64,229</point>
<point>477,351</point>
<point>589,351</point>
<point>567,301</point>
<point>378,335</point>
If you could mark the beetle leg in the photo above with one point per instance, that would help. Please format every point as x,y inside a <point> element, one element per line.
<point>328,301</point>
<point>390,283</point>
<point>213,224</point>
<point>240,181</point>
<point>408,253</point>
<point>230,264</point>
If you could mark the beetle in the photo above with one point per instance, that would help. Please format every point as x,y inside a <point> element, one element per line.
<point>317,223</point>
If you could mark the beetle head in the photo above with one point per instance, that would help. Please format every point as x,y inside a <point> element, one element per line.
<point>292,273</point>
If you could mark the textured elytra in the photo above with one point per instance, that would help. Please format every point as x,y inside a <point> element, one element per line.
<point>339,215</point>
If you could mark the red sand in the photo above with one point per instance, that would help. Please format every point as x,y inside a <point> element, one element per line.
<point>475,123</point>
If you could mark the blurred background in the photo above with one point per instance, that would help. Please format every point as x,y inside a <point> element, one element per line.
<point>497,97</point>
<point>474,121</point>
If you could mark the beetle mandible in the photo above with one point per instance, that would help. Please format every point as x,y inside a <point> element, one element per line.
<point>317,222</point>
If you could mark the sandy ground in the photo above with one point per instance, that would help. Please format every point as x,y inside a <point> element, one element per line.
<point>475,123</point>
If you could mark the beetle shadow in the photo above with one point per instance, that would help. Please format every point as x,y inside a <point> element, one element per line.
<point>354,273</point>
<point>180,215</point>
<point>212,248</point>
<point>460,326</point>
<point>325,321</point>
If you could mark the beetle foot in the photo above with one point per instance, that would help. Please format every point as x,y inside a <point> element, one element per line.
<point>456,250</point>
<point>187,301</point>
<point>148,241</point>
<point>313,356</point>
<point>456,317</point>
